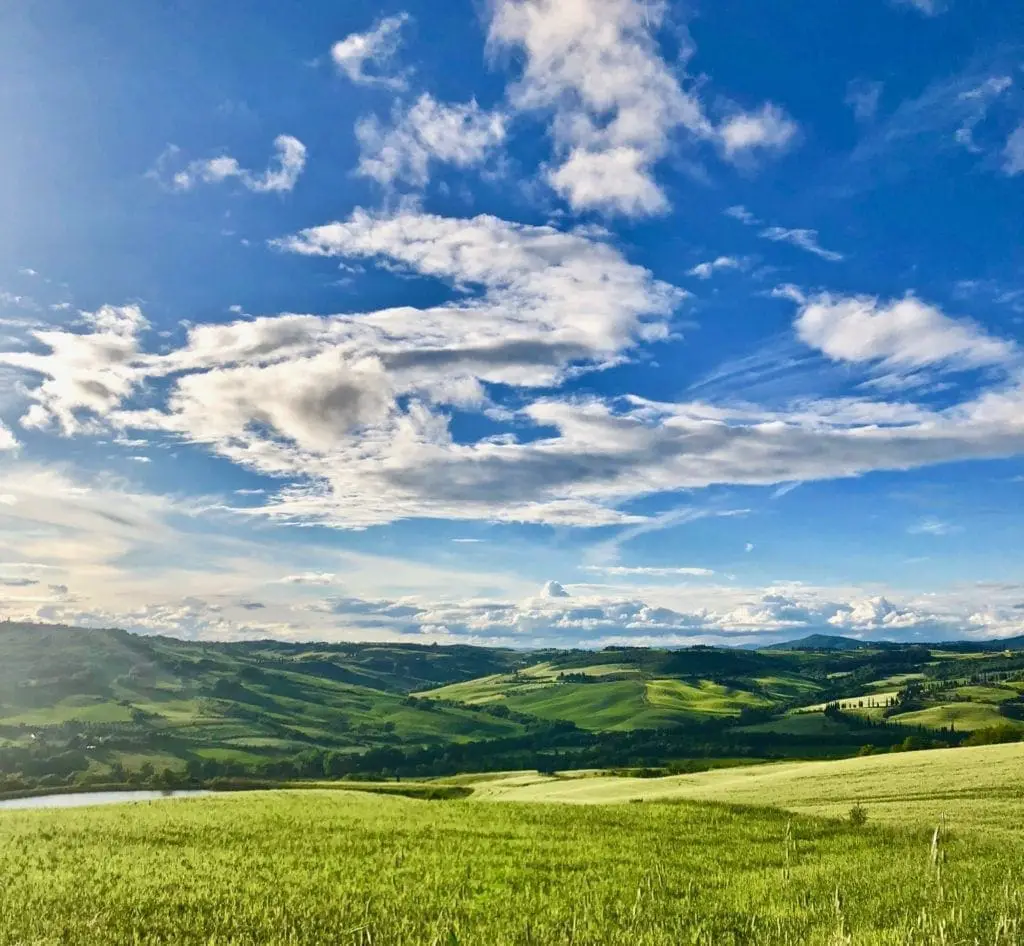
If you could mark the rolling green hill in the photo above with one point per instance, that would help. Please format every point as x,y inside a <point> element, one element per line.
<point>90,706</point>
<point>631,690</point>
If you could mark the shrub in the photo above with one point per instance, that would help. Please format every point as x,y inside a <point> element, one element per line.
<point>858,815</point>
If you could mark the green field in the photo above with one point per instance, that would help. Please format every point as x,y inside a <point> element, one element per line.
<point>344,868</point>
<point>980,788</point>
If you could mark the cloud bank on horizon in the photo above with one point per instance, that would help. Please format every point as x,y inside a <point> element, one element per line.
<point>586,322</point>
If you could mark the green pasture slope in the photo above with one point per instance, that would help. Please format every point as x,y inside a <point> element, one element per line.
<point>316,867</point>
<point>970,789</point>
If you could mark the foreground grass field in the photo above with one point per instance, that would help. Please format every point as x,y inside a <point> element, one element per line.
<point>976,789</point>
<point>345,868</point>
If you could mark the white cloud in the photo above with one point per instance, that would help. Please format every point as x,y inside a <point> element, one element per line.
<point>616,103</point>
<point>949,114</point>
<point>86,374</point>
<point>620,571</point>
<point>280,176</point>
<point>863,97</point>
<point>749,547</point>
<point>7,440</point>
<point>932,526</point>
<point>768,129</point>
<point>739,212</point>
<point>902,334</point>
<point>428,130</point>
<point>101,553</point>
<point>708,269</point>
<point>374,48</point>
<point>616,179</point>
<point>978,101</point>
<point>545,302</point>
<point>1014,153</point>
<point>359,431</point>
<point>803,239</point>
<point>309,578</point>
<point>553,589</point>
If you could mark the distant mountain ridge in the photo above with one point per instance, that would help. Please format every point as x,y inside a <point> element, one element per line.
<point>821,642</point>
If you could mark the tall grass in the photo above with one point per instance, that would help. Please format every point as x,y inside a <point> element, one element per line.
<point>339,868</point>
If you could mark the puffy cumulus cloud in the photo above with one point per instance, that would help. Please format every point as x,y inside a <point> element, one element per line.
<point>317,401</point>
<point>553,589</point>
<point>7,442</point>
<point>902,334</point>
<point>86,374</point>
<point>281,175</point>
<point>363,57</point>
<point>726,616</point>
<point>595,64</point>
<point>618,179</point>
<point>879,614</point>
<point>462,135</point>
<point>616,103</point>
<point>768,129</point>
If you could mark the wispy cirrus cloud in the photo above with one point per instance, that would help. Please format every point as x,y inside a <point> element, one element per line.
<point>927,7</point>
<point>622,571</point>
<point>1013,153</point>
<point>802,239</point>
<point>863,97</point>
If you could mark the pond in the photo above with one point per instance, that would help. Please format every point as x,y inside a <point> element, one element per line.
<point>85,799</point>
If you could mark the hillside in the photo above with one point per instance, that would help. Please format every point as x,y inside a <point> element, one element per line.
<point>977,788</point>
<point>96,706</point>
<point>822,642</point>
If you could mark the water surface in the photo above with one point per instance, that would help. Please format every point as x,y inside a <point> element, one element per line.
<point>85,799</point>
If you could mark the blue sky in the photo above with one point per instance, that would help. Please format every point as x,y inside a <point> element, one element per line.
<point>524,322</point>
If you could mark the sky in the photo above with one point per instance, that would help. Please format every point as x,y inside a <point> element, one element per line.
<point>517,322</point>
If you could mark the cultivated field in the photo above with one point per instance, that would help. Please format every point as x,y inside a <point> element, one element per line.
<point>346,868</point>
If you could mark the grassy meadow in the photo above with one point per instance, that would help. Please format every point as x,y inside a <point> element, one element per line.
<point>977,789</point>
<point>339,867</point>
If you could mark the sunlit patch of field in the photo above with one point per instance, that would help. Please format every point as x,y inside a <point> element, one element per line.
<point>966,717</point>
<point>978,788</point>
